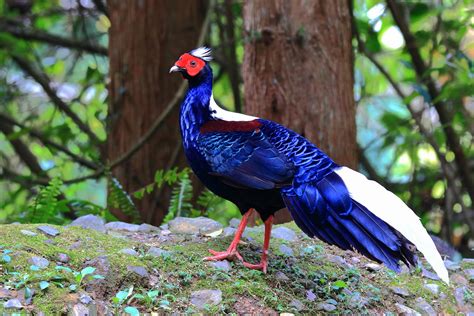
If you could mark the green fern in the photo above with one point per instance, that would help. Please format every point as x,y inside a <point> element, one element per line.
<point>118,198</point>
<point>180,201</point>
<point>46,206</point>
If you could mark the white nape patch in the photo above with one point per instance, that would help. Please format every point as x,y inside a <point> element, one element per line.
<point>389,208</point>
<point>205,53</point>
<point>221,114</point>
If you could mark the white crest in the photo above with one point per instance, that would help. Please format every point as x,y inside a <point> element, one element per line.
<point>203,52</point>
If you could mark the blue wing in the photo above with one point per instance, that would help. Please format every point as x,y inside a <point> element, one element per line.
<point>245,159</point>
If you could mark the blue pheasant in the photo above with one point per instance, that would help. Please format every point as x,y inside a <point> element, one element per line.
<point>263,166</point>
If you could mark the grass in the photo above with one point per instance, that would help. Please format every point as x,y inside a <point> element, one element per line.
<point>175,277</point>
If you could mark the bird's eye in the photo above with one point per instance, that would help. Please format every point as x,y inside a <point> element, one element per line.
<point>192,63</point>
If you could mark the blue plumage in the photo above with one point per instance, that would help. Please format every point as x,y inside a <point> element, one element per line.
<point>259,164</point>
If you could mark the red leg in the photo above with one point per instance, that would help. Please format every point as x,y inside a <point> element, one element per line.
<point>266,243</point>
<point>231,252</point>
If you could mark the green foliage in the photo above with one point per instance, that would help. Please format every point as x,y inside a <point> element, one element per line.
<point>180,202</point>
<point>46,206</point>
<point>118,198</point>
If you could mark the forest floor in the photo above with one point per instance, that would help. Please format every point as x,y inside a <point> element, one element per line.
<point>122,268</point>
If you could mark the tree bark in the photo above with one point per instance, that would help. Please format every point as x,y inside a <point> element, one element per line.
<point>298,71</point>
<point>146,38</point>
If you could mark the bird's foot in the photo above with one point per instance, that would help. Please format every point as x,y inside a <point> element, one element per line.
<point>230,254</point>
<point>259,266</point>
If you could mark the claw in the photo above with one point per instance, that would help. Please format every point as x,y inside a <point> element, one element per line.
<point>259,266</point>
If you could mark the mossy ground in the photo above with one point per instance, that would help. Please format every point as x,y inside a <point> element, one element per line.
<point>176,276</point>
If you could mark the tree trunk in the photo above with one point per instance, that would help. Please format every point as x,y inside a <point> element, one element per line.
<point>146,38</point>
<point>298,71</point>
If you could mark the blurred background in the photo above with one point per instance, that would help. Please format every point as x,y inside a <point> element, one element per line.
<point>89,114</point>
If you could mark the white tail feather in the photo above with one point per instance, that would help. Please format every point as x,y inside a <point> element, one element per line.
<point>389,208</point>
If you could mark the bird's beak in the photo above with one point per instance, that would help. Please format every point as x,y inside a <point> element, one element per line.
<point>175,69</point>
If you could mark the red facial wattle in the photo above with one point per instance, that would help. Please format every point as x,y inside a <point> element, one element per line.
<point>193,65</point>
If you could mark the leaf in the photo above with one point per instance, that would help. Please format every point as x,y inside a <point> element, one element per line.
<point>98,277</point>
<point>131,311</point>
<point>153,294</point>
<point>339,284</point>
<point>214,234</point>
<point>44,285</point>
<point>87,271</point>
<point>34,268</point>
<point>6,258</point>
<point>62,268</point>
<point>73,287</point>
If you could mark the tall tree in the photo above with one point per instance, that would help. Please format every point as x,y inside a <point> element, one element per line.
<point>298,70</point>
<point>145,38</point>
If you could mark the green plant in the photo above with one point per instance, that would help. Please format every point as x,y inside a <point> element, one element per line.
<point>46,206</point>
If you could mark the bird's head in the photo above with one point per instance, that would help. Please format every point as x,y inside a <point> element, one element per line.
<point>193,65</point>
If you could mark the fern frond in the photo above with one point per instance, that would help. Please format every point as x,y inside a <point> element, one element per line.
<point>118,198</point>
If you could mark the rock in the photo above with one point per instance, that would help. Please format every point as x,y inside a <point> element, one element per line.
<point>425,308</point>
<point>26,297</point>
<point>400,291</point>
<point>468,260</point>
<point>49,242</point>
<point>228,231</point>
<point>206,297</point>
<point>64,258</point>
<point>287,251</point>
<point>460,296</point>
<point>199,225</point>
<point>280,276</point>
<point>337,260</point>
<point>326,307</point>
<point>310,296</point>
<point>40,262</point>
<point>234,222</point>
<point>358,301</point>
<point>147,228</point>
<point>331,301</point>
<point>80,310</point>
<point>297,305</point>
<point>430,275</point>
<point>452,266</point>
<point>470,274</point>
<point>85,299</point>
<point>75,245</point>
<point>284,233</point>
<point>221,265</point>
<point>405,310</point>
<point>355,260</point>
<point>4,293</point>
<point>158,252</point>
<point>130,252</point>
<point>446,249</point>
<point>13,303</point>
<point>373,267</point>
<point>433,288</point>
<point>48,230</point>
<point>102,265</point>
<point>122,226</point>
<point>138,270</point>
<point>90,222</point>
<point>458,279</point>
<point>28,232</point>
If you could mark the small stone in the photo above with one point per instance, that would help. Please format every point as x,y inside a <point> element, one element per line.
<point>228,231</point>
<point>337,260</point>
<point>138,270</point>
<point>430,275</point>
<point>284,233</point>
<point>75,245</point>
<point>40,262</point>
<point>280,276</point>
<point>48,230</point>
<point>331,301</point>
<point>470,274</point>
<point>122,226</point>
<point>297,304</point>
<point>206,297</point>
<point>80,310</point>
<point>130,252</point>
<point>433,288</point>
<point>400,291</point>
<point>234,222</point>
<point>373,267</point>
<point>452,266</point>
<point>85,299</point>
<point>424,307</point>
<point>28,233</point>
<point>147,228</point>
<point>199,225</point>
<point>460,295</point>
<point>468,260</point>
<point>326,307</point>
<point>358,301</point>
<point>405,310</point>
<point>310,296</point>
<point>287,251</point>
<point>164,227</point>
<point>457,278</point>
<point>355,260</point>
<point>90,222</point>
<point>26,297</point>
<point>13,303</point>
<point>49,242</point>
<point>165,232</point>
<point>4,293</point>
<point>64,258</point>
<point>102,265</point>
<point>223,265</point>
<point>158,252</point>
